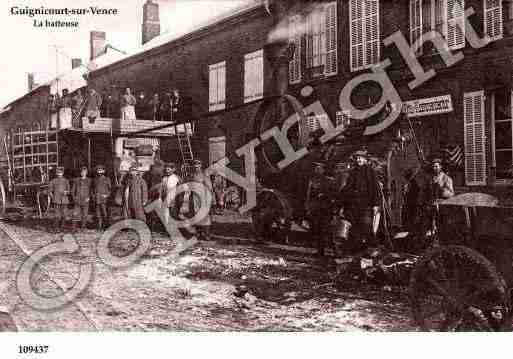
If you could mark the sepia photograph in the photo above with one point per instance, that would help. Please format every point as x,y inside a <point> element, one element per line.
<point>255,166</point>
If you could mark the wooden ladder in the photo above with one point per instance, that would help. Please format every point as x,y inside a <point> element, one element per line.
<point>184,143</point>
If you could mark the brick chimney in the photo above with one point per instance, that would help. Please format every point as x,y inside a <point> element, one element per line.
<point>31,84</point>
<point>76,63</point>
<point>97,44</point>
<point>151,21</point>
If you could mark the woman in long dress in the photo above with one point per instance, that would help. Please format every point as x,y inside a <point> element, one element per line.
<point>128,102</point>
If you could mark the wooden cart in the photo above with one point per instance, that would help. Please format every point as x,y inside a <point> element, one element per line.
<point>464,282</point>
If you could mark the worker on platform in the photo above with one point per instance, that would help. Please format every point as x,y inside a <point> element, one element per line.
<point>128,102</point>
<point>155,105</point>
<point>65,112</point>
<point>318,205</point>
<point>135,196</point>
<point>81,193</point>
<point>360,199</point>
<point>93,105</point>
<point>59,190</point>
<point>101,190</point>
<point>77,103</point>
<point>199,200</point>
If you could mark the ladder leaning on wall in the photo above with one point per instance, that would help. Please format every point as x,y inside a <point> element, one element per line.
<point>184,143</point>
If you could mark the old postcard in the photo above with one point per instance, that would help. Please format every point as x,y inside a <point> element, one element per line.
<point>255,166</point>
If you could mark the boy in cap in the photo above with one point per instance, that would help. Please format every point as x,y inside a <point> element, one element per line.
<point>198,200</point>
<point>101,190</point>
<point>318,204</point>
<point>59,190</point>
<point>136,195</point>
<point>81,196</point>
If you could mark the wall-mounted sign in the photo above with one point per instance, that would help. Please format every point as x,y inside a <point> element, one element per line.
<point>428,106</point>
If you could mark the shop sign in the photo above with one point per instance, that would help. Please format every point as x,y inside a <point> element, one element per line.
<point>428,106</point>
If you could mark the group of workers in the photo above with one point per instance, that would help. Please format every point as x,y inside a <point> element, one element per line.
<point>357,196</point>
<point>130,191</point>
<point>65,111</point>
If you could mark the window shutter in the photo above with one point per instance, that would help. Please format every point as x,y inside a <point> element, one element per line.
<point>295,27</point>
<point>331,39</point>
<point>356,34</point>
<point>371,31</point>
<point>456,24</point>
<point>221,82</point>
<point>474,132</point>
<point>415,20</point>
<point>253,76</point>
<point>493,19</point>
<point>212,87</point>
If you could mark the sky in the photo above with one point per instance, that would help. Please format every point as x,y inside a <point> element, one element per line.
<point>48,51</point>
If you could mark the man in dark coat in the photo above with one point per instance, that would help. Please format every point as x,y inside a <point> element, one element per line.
<point>59,190</point>
<point>93,106</point>
<point>82,195</point>
<point>360,198</point>
<point>318,205</point>
<point>102,190</point>
<point>136,195</point>
<point>410,210</point>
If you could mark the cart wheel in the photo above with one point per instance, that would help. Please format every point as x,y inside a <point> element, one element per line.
<point>454,288</point>
<point>271,217</point>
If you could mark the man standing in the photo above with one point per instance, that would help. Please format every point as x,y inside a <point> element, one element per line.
<point>93,106</point>
<point>155,107</point>
<point>439,188</point>
<point>78,101</point>
<point>360,198</point>
<point>410,210</point>
<point>65,113</point>
<point>198,200</point>
<point>128,102</point>
<point>169,183</point>
<point>82,195</point>
<point>318,204</point>
<point>53,112</point>
<point>136,195</point>
<point>59,190</point>
<point>102,190</point>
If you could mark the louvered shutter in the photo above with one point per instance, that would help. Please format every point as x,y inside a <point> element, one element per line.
<point>330,66</point>
<point>295,27</point>
<point>371,31</point>
<point>493,19</point>
<point>456,24</point>
<point>415,20</point>
<point>212,88</point>
<point>221,83</point>
<point>356,34</point>
<point>474,132</point>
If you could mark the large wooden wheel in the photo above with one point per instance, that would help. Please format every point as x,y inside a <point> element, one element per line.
<point>271,218</point>
<point>454,288</point>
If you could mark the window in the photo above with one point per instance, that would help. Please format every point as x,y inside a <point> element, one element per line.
<point>502,135</point>
<point>295,33</point>
<point>364,33</point>
<point>444,16</point>
<point>253,76</point>
<point>493,19</point>
<point>474,133</point>
<point>321,40</point>
<point>217,86</point>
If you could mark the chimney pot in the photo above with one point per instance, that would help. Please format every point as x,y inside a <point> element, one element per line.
<point>97,44</point>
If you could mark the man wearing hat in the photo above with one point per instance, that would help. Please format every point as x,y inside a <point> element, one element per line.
<point>136,195</point>
<point>360,198</point>
<point>59,189</point>
<point>101,190</point>
<point>318,204</point>
<point>81,193</point>
<point>203,226</point>
<point>440,187</point>
<point>169,183</point>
